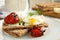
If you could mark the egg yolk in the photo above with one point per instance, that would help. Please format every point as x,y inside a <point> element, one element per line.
<point>32,21</point>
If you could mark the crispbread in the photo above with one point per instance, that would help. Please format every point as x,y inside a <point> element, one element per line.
<point>48,9</point>
<point>17,33</point>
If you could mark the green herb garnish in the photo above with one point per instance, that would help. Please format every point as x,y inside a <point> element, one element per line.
<point>21,22</point>
<point>31,13</point>
<point>39,11</point>
<point>36,12</point>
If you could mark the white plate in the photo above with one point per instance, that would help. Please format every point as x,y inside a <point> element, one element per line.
<point>52,33</point>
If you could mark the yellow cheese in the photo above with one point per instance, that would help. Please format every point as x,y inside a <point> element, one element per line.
<point>57,10</point>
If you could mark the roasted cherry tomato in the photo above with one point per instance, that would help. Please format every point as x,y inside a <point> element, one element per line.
<point>36,32</point>
<point>11,18</point>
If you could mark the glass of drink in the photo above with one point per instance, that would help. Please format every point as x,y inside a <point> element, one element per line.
<point>20,6</point>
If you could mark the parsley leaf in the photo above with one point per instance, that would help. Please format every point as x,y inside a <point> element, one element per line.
<point>21,22</point>
<point>31,13</point>
<point>36,12</point>
<point>39,11</point>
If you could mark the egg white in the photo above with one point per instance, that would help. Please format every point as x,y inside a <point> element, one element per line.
<point>39,19</point>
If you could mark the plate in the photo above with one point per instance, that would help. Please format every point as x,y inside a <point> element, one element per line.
<point>52,33</point>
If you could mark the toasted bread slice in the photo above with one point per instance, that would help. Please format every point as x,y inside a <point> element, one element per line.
<point>7,27</point>
<point>17,33</point>
<point>20,30</point>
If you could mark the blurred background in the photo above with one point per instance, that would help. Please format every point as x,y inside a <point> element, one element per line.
<point>31,3</point>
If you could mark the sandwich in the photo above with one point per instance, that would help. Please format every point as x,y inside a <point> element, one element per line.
<point>48,9</point>
<point>13,19</point>
<point>17,26</point>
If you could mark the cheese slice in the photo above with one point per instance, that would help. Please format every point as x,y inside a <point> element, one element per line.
<point>57,10</point>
